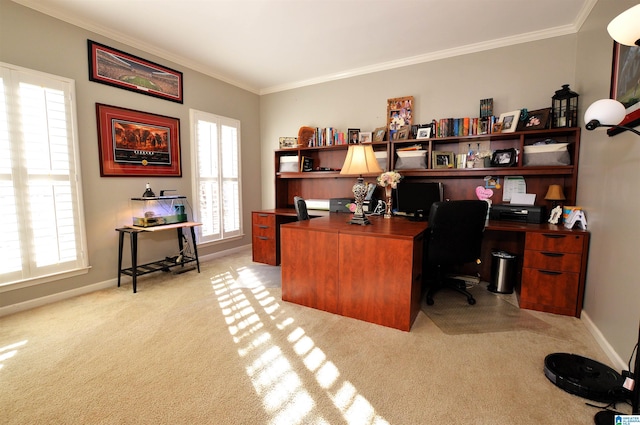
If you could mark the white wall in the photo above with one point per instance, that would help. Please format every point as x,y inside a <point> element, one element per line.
<point>608,189</point>
<point>36,41</point>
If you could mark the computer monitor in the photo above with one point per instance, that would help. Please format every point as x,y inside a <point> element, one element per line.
<point>414,198</point>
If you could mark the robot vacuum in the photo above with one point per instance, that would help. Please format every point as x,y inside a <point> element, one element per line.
<point>584,377</point>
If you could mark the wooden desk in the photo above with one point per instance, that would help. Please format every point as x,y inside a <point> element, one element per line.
<point>372,273</point>
<point>162,265</point>
<point>551,260</point>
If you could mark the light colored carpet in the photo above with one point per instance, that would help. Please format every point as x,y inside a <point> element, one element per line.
<point>492,313</point>
<point>199,349</point>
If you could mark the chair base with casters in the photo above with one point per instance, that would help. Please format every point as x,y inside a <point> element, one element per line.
<point>445,282</point>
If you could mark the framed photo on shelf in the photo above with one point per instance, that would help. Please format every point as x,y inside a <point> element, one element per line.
<point>497,127</point>
<point>399,113</point>
<point>509,121</point>
<point>503,158</point>
<point>624,84</point>
<point>135,143</point>
<point>379,133</point>
<point>354,136</point>
<point>402,133</point>
<point>536,120</point>
<point>442,159</point>
<point>365,137</point>
<point>423,133</point>
<point>116,68</point>
<point>288,142</point>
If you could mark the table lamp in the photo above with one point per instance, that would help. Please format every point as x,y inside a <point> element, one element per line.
<point>360,160</point>
<point>554,194</point>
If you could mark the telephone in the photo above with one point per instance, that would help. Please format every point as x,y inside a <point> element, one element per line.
<point>576,217</point>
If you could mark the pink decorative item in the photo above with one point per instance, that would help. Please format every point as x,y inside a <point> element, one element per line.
<point>483,193</point>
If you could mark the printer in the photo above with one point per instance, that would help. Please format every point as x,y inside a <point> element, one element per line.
<point>519,213</point>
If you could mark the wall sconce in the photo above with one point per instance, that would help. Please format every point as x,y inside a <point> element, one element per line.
<point>625,29</point>
<point>360,160</point>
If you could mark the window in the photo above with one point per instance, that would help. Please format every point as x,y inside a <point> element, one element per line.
<point>216,174</point>
<point>43,236</point>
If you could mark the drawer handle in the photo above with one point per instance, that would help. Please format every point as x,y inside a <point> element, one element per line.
<point>552,254</point>
<point>553,235</point>
<point>262,226</point>
<point>264,238</point>
<point>549,272</point>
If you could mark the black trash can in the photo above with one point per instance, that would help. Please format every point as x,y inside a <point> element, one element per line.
<point>503,267</point>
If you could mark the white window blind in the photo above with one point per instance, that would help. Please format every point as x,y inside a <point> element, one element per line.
<point>39,178</point>
<point>216,165</point>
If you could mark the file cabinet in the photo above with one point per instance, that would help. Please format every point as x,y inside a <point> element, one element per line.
<point>553,272</point>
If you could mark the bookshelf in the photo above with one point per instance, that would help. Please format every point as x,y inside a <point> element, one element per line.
<point>459,183</point>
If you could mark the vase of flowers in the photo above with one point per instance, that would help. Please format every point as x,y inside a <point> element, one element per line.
<point>389,180</point>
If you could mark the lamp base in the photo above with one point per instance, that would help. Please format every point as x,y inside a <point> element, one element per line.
<point>363,221</point>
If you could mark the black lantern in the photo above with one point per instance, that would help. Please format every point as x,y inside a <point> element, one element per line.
<point>565,107</point>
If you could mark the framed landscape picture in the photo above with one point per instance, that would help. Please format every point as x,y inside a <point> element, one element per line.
<point>119,69</point>
<point>135,143</point>
<point>625,77</point>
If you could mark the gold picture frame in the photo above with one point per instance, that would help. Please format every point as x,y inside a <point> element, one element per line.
<point>442,159</point>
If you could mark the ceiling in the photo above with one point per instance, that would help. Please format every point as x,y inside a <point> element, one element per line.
<point>266,46</point>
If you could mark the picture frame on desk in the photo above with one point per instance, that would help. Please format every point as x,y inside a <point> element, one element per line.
<point>402,133</point>
<point>621,90</point>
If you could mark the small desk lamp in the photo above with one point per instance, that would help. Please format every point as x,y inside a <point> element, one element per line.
<point>554,194</point>
<point>625,30</point>
<point>360,160</point>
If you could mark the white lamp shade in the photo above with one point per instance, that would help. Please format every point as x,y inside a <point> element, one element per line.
<point>606,112</point>
<point>625,28</point>
<point>360,160</point>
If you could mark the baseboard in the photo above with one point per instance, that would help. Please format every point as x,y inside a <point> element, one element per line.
<point>37,302</point>
<point>616,360</point>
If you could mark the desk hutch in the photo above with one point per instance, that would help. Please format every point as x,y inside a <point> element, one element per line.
<point>552,259</point>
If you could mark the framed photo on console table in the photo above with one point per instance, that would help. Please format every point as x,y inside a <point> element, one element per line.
<point>135,143</point>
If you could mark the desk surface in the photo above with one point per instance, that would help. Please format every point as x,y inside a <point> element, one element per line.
<point>395,227</point>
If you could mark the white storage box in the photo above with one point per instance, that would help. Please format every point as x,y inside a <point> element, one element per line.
<point>381,156</point>
<point>549,154</point>
<point>411,159</point>
<point>289,164</point>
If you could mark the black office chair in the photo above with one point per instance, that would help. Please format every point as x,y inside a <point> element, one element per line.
<point>454,238</point>
<point>301,208</point>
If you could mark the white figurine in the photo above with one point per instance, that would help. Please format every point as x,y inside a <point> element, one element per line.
<point>555,215</point>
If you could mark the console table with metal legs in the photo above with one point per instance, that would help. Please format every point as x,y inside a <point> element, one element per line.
<point>162,265</point>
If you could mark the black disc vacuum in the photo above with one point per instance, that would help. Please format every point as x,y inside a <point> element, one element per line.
<point>584,377</point>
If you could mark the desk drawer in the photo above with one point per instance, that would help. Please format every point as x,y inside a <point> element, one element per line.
<point>551,291</point>
<point>548,260</point>
<point>263,219</point>
<point>555,242</point>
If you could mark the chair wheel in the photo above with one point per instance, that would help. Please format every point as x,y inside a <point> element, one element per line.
<point>472,301</point>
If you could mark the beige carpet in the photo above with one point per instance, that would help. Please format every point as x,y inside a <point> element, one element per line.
<point>492,313</point>
<point>199,349</point>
